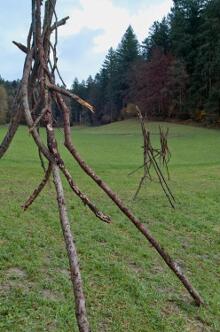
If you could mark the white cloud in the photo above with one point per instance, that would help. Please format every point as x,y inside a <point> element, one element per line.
<point>112,21</point>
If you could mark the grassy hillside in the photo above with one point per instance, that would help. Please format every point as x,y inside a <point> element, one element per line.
<point>128,287</point>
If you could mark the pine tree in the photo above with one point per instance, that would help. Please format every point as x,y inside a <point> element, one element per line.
<point>208,59</point>
<point>128,50</point>
<point>186,19</point>
<point>76,109</point>
<point>176,87</point>
<point>128,53</point>
<point>159,37</point>
<point>110,66</point>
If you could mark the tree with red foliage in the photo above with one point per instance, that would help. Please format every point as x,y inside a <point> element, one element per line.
<point>158,85</point>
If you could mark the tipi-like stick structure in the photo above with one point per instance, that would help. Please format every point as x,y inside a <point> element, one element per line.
<point>35,99</point>
<point>150,160</point>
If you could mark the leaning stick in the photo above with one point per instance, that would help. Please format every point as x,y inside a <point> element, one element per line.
<point>80,307</point>
<point>139,186</point>
<point>146,137</point>
<point>39,118</point>
<point>99,214</point>
<point>38,190</point>
<point>141,227</point>
<point>149,152</point>
<point>59,23</point>
<point>70,95</point>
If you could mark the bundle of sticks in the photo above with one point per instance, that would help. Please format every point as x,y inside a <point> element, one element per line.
<point>151,156</point>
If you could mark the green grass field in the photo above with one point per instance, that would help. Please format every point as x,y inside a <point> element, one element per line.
<point>128,287</point>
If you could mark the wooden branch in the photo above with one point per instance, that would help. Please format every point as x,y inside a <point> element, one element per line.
<point>38,190</point>
<point>21,47</point>
<point>48,16</point>
<point>59,23</point>
<point>41,160</point>
<point>161,177</point>
<point>71,95</point>
<point>165,152</point>
<point>147,161</point>
<point>27,113</point>
<point>139,186</point>
<point>99,214</point>
<point>162,181</point>
<point>141,227</point>
<point>139,167</point>
<point>39,118</point>
<point>29,37</point>
<point>80,306</point>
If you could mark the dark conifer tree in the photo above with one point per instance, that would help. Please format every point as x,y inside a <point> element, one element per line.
<point>128,53</point>
<point>110,65</point>
<point>159,37</point>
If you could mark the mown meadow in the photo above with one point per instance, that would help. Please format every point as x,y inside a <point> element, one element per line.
<point>127,285</point>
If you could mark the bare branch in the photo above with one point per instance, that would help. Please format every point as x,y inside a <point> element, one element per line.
<point>39,118</point>
<point>80,308</point>
<point>21,47</point>
<point>71,95</point>
<point>59,23</point>
<point>38,190</point>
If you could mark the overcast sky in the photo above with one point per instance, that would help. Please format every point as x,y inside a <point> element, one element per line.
<point>94,26</point>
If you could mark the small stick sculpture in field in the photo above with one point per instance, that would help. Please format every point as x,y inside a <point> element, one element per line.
<point>36,95</point>
<point>150,160</point>
<point>165,154</point>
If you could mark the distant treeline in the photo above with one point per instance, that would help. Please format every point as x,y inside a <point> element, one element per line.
<point>7,93</point>
<point>173,73</point>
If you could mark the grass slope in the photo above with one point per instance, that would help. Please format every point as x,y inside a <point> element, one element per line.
<point>127,286</point>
